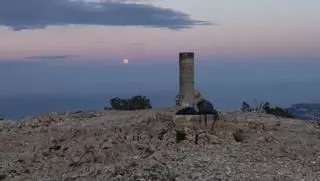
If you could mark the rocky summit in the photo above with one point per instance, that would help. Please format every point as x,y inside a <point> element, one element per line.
<point>143,145</point>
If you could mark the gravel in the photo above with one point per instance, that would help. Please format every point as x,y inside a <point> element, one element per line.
<point>141,145</point>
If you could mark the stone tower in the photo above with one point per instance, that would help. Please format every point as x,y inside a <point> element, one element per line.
<point>186,96</point>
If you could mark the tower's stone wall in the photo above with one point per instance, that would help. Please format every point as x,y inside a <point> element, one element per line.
<point>186,79</point>
<point>186,72</point>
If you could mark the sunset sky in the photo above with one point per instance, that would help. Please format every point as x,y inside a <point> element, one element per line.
<point>156,30</point>
<point>58,55</point>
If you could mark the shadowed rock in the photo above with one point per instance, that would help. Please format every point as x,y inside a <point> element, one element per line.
<point>187,111</point>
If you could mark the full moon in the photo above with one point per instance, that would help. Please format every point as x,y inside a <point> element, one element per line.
<point>125,61</point>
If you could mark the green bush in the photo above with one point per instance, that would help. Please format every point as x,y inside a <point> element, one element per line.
<point>139,102</point>
<point>119,104</point>
<point>134,103</point>
<point>245,107</point>
<point>268,109</point>
<point>277,111</point>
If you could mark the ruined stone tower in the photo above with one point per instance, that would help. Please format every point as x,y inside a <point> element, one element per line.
<point>186,96</point>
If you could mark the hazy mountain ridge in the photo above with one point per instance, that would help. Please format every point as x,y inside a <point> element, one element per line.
<point>306,111</point>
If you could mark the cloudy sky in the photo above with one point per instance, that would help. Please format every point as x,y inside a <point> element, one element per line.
<point>78,45</point>
<point>268,49</point>
<point>154,30</point>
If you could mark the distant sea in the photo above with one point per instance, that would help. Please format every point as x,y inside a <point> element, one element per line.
<point>224,97</point>
<point>18,106</point>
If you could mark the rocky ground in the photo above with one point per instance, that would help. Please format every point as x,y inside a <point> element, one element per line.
<point>142,145</point>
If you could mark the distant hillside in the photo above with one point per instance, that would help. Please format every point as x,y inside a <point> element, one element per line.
<point>306,111</point>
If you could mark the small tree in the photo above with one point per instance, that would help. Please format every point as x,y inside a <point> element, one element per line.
<point>135,103</point>
<point>119,104</point>
<point>277,111</point>
<point>245,107</point>
<point>266,108</point>
<point>139,102</point>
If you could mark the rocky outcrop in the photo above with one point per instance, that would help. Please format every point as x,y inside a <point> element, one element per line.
<point>142,145</point>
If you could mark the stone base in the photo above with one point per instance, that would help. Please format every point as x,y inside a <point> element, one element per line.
<point>189,121</point>
<point>182,121</point>
<point>191,101</point>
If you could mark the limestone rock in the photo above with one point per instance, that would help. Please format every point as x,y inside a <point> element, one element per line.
<point>141,145</point>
